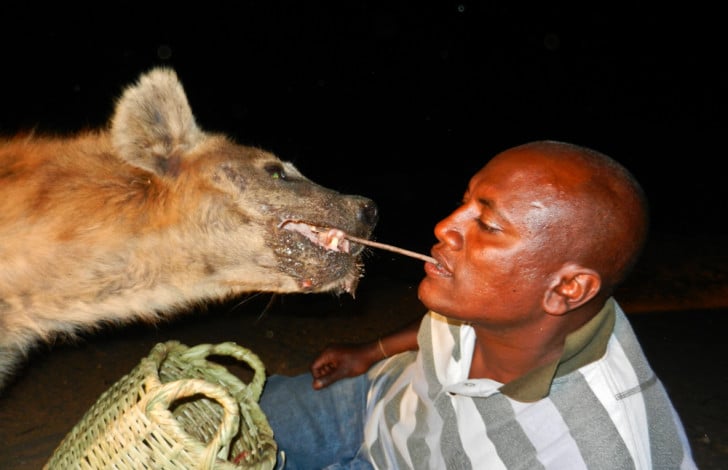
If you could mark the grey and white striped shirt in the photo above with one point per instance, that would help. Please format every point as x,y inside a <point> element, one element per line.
<point>599,407</point>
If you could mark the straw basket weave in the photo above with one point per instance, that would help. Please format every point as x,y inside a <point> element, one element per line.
<point>175,410</point>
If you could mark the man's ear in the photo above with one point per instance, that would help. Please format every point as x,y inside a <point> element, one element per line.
<point>572,287</point>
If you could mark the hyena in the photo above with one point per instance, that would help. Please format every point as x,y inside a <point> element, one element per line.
<point>152,213</point>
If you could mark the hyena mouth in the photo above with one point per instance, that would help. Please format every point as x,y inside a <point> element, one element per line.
<point>332,239</point>
<point>335,239</point>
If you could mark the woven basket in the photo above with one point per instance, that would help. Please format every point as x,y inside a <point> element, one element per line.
<point>175,410</point>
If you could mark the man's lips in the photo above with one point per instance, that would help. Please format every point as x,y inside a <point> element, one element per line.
<point>441,268</point>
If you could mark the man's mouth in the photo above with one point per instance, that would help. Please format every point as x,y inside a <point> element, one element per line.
<point>440,265</point>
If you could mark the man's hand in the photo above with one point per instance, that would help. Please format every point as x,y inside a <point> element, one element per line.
<point>339,361</point>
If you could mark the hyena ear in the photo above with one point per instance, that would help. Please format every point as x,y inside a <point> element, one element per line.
<point>153,125</point>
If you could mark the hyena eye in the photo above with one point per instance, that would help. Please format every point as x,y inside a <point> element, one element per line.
<point>276,171</point>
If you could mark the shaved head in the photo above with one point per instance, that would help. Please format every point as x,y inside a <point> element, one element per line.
<point>604,221</point>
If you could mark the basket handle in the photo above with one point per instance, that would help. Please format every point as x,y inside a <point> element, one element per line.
<point>158,403</point>
<point>229,348</point>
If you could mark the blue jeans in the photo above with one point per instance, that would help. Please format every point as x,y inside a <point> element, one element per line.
<point>317,429</point>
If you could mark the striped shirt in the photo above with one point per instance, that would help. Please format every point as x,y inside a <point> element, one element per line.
<point>600,406</point>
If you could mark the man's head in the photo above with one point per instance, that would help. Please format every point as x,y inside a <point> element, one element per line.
<point>544,227</point>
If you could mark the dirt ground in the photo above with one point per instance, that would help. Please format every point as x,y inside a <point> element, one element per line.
<point>677,301</point>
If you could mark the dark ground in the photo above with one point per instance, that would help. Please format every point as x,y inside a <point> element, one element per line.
<point>677,301</point>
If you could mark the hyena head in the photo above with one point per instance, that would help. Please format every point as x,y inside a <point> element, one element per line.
<point>250,221</point>
<point>152,213</point>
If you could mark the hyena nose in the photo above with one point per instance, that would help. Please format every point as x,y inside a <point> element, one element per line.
<point>368,213</point>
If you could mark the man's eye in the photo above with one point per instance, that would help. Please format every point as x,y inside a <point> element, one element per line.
<point>487,227</point>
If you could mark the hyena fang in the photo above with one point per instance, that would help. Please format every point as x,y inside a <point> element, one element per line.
<point>137,220</point>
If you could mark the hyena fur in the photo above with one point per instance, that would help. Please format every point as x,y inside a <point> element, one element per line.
<point>136,221</point>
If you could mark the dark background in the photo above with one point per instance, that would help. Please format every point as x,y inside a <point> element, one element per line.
<point>402,101</point>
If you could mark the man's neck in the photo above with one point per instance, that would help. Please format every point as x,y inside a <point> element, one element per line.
<point>504,355</point>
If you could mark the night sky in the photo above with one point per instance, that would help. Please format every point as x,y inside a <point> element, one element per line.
<point>398,101</point>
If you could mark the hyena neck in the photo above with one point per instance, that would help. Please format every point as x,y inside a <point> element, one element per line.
<point>103,294</point>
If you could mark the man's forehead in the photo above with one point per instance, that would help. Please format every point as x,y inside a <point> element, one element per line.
<point>516,177</point>
<point>518,192</point>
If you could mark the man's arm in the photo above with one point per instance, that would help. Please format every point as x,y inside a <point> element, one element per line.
<point>339,361</point>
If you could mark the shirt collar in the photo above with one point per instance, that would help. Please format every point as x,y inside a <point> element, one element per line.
<point>583,346</point>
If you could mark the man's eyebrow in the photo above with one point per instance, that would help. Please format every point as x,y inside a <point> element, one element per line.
<point>492,207</point>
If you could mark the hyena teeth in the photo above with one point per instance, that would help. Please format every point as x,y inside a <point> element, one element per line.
<point>331,239</point>
<point>337,240</point>
<point>333,244</point>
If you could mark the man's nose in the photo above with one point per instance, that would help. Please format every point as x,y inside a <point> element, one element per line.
<point>449,232</point>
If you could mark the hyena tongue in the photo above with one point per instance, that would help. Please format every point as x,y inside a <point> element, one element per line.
<point>330,238</point>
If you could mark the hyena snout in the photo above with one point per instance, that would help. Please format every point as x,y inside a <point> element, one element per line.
<point>367,214</point>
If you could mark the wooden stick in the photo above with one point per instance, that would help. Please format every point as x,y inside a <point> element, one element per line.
<point>383,246</point>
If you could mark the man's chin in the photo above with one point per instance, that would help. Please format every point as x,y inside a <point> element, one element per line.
<point>429,293</point>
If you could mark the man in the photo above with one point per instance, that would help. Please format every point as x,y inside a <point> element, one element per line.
<point>525,360</point>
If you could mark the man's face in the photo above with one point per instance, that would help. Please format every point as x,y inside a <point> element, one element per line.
<point>500,249</point>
